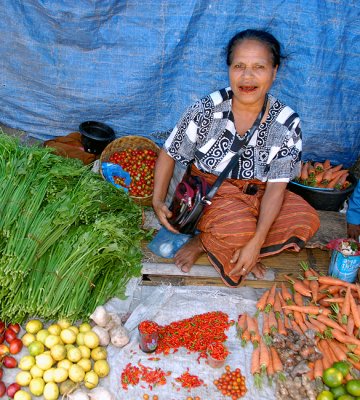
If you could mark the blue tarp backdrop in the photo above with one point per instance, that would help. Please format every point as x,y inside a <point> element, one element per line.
<point>136,65</point>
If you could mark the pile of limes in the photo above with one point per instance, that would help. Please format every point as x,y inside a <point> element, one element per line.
<point>333,378</point>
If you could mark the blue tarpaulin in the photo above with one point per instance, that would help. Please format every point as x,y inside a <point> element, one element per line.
<point>136,65</point>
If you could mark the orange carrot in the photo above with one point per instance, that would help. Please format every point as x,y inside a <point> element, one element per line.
<point>277,364</point>
<point>309,310</point>
<point>336,168</point>
<point>287,322</point>
<point>277,306</point>
<point>354,311</point>
<point>327,354</point>
<point>326,164</point>
<point>261,303</point>
<point>344,338</point>
<point>318,166</point>
<point>251,325</point>
<point>329,322</point>
<point>255,361</point>
<point>270,368</point>
<point>337,350</point>
<point>319,325</point>
<point>245,337</point>
<point>310,326</point>
<point>350,326</point>
<point>264,356</point>
<point>311,170</point>
<point>266,327</point>
<point>319,176</point>
<point>298,299</point>
<point>295,326</point>
<point>304,171</point>
<point>298,286</point>
<point>271,298</point>
<point>281,327</point>
<point>283,303</point>
<point>286,295</point>
<point>242,324</point>
<point>273,325</point>
<point>331,281</point>
<point>345,309</point>
<point>341,181</point>
<point>331,300</point>
<point>327,176</point>
<point>318,369</point>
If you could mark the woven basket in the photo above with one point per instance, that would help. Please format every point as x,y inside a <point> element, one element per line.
<point>125,143</point>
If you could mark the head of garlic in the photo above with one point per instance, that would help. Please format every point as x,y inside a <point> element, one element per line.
<point>100,316</point>
<point>119,336</point>
<point>100,393</point>
<point>78,395</point>
<point>103,335</point>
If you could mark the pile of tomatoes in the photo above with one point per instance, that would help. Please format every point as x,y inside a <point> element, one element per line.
<point>231,383</point>
<point>140,165</point>
<point>9,344</point>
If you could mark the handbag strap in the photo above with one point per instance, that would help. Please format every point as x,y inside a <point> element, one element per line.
<point>236,157</point>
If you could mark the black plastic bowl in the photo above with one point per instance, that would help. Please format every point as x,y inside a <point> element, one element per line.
<point>95,136</point>
<point>323,199</point>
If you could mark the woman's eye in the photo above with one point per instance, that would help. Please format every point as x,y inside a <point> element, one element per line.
<point>259,67</point>
<point>240,66</point>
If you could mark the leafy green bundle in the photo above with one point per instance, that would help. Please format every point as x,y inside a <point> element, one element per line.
<point>69,240</point>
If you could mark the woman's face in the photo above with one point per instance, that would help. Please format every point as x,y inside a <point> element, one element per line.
<point>251,72</point>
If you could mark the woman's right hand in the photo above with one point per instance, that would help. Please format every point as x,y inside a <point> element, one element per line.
<point>163,213</point>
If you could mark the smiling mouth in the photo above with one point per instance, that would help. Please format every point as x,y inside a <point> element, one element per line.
<point>247,89</point>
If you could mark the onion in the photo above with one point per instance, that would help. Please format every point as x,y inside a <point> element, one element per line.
<point>100,393</point>
<point>100,316</point>
<point>78,395</point>
<point>103,335</point>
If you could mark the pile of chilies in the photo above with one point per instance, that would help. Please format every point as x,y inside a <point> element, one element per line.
<point>325,305</point>
<point>195,333</point>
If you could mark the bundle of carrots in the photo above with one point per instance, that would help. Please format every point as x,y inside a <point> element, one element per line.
<point>323,175</point>
<point>325,305</point>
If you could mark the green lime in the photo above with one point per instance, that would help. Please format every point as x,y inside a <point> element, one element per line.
<point>338,391</point>
<point>346,397</point>
<point>353,387</point>
<point>332,377</point>
<point>342,366</point>
<point>325,395</point>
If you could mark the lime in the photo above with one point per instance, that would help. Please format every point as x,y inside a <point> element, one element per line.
<point>346,397</point>
<point>332,377</point>
<point>353,387</point>
<point>342,366</point>
<point>338,391</point>
<point>325,395</point>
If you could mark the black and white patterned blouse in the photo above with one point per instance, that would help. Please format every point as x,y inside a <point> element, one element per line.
<point>206,133</point>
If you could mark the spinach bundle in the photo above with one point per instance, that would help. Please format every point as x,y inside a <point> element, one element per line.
<point>69,240</point>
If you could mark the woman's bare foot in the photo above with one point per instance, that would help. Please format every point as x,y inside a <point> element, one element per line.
<point>186,256</point>
<point>259,270</point>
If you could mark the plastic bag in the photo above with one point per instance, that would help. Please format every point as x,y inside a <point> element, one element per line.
<point>165,243</point>
<point>111,170</point>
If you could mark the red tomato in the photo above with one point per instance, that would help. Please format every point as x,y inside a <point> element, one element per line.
<point>12,389</point>
<point>4,349</point>
<point>15,346</point>
<point>2,326</point>
<point>9,362</point>
<point>2,389</point>
<point>10,335</point>
<point>14,327</point>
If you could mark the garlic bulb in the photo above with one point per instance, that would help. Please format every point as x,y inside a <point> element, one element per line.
<point>119,336</point>
<point>100,393</point>
<point>115,321</point>
<point>100,316</point>
<point>78,395</point>
<point>103,335</point>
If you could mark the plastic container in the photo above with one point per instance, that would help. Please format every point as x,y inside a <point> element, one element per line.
<point>148,340</point>
<point>323,199</point>
<point>216,347</point>
<point>344,267</point>
<point>95,136</point>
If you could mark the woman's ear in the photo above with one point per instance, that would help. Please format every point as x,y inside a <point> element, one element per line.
<point>275,72</point>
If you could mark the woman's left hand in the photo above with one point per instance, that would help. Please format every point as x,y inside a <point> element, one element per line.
<point>245,259</point>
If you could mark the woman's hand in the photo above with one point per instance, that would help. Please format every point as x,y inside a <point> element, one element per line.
<point>163,213</point>
<point>353,231</point>
<point>245,259</point>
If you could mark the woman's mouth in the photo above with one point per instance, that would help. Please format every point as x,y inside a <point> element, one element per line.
<point>247,89</point>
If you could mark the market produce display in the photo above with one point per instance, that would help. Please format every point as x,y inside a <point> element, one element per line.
<point>323,175</point>
<point>304,333</point>
<point>69,240</point>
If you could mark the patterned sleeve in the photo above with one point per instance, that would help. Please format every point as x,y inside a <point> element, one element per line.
<point>181,144</point>
<point>286,164</point>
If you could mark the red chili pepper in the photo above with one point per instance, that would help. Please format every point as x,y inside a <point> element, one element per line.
<point>189,381</point>
<point>148,327</point>
<point>218,351</point>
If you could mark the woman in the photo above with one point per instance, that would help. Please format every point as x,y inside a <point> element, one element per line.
<point>241,225</point>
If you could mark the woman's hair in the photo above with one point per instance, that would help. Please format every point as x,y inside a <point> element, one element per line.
<point>261,36</point>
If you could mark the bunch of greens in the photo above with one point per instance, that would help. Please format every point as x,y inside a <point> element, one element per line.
<point>69,240</point>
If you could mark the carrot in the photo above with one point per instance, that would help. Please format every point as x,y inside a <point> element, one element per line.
<point>330,300</point>
<point>255,361</point>
<point>321,328</point>
<point>354,310</point>
<point>314,310</point>
<point>311,326</point>
<point>273,325</point>
<point>286,295</point>
<point>298,286</point>
<point>277,306</point>
<point>327,176</point>
<point>264,356</point>
<point>245,337</point>
<point>319,176</point>
<point>277,364</point>
<point>287,322</point>
<point>318,166</point>
<point>304,175</point>
<point>318,369</point>
<point>326,164</point>
<point>281,327</point>
<point>271,298</point>
<point>329,322</point>
<point>251,325</point>
<point>311,170</point>
<point>341,181</point>
<point>298,299</point>
<point>266,327</point>
<point>328,355</point>
<point>337,179</point>
<point>336,168</point>
<point>331,281</point>
<point>345,309</point>
<point>295,326</point>
<point>337,350</point>
<point>241,324</point>
<point>261,303</point>
<point>270,372</point>
<point>343,338</point>
<point>350,326</point>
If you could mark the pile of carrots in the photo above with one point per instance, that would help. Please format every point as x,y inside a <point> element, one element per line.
<point>326,305</point>
<point>323,175</point>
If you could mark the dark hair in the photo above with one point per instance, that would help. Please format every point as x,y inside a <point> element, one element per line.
<point>261,36</point>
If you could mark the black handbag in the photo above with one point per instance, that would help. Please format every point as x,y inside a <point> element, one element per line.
<point>193,194</point>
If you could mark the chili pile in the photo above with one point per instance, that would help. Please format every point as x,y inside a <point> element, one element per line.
<point>189,381</point>
<point>148,327</point>
<point>132,375</point>
<point>218,351</point>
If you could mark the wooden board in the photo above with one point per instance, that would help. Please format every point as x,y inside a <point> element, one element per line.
<point>157,270</point>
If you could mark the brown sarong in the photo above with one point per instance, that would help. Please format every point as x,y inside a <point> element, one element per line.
<point>230,222</point>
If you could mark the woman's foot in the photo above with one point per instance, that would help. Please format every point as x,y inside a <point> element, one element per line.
<point>186,256</point>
